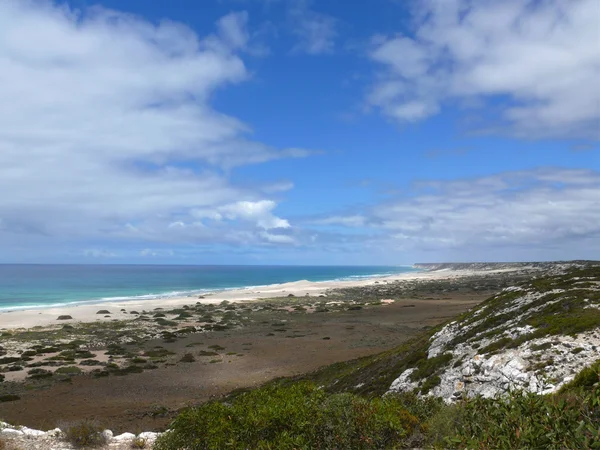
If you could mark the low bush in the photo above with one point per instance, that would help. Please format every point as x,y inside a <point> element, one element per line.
<point>298,416</point>
<point>69,370</point>
<point>528,421</point>
<point>84,434</point>
<point>188,358</point>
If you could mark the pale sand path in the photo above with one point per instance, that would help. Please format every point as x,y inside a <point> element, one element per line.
<point>87,312</point>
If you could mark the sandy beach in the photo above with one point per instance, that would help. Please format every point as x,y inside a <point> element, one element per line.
<point>87,312</point>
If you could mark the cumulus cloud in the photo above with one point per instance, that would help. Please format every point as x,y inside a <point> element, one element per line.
<point>536,64</point>
<point>106,127</point>
<point>278,238</point>
<point>258,212</point>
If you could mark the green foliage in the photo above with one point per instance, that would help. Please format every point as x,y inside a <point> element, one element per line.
<point>427,367</point>
<point>69,370</point>
<point>528,421</point>
<point>298,416</point>
<point>569,322</point>
<point>158,352</point>
<point>430,383</point>
<point>302,416</point>
<point>188,358</point>
<point>585,379</point>
<point>497,345</point>
<point>84,434</point>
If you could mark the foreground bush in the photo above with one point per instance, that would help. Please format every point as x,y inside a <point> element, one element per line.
<point>302,416</point>
<point>84,434</point>
<point>299,416</point>
<point>569,420</point>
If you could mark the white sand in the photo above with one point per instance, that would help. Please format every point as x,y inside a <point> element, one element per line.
<point>87,312</point>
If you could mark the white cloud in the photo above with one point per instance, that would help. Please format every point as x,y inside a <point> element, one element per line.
<point>535,209</point>
<point>258,212</point>
<point>98,253</point>
<point>537,63</point>
<point>277,238</point>
<point>234,34</point>
<point>148,252</point>
<point>102,116</point>
<point>316,32</point>
<point>347,221</point>
<point>233,29</point>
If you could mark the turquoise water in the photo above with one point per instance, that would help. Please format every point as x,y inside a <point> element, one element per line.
<point>31,285</point>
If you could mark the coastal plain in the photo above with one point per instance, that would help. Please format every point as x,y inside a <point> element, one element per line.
<point>136,364</point>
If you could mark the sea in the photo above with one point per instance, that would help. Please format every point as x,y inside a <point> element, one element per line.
<point>25,286</point>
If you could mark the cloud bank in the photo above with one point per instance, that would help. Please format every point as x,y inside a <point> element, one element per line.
<point>107,130</point>
<point>543,211</point>
<point>533,65</point>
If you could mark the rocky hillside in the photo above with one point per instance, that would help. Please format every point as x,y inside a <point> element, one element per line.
<point>534,336</point>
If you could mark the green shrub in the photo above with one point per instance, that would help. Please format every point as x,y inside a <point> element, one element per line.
<point>188,358</point>
<point>158,352</point>
<point>585,379</point>
<point>84,433</point>
<point>426,367</point>
<point>69,370</point>
<point>430,383</point>
<point>9,398</point>
<point>529,421</point>
<point>298,416</point>
<point>39,373</point>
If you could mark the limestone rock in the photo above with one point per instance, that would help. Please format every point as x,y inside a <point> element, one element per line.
<point>492,357</point>
<point>124,437</point>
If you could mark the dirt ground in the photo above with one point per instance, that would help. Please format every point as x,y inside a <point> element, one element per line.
<point>246,357</point>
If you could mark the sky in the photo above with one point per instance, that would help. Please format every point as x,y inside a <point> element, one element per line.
<point>376,132</point>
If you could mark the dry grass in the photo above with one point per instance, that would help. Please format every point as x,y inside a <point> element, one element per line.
<point>139,442</point>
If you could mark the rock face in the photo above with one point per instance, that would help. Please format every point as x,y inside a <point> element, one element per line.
<point>533,337</point>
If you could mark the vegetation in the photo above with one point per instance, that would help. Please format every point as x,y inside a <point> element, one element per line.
<point>296,416</point>
<point>343,405</point>
<point>84,434</point>
<point>529,421</point>
<point>303,416</point>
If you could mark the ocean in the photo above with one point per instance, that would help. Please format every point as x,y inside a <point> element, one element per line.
<point>39,285</point>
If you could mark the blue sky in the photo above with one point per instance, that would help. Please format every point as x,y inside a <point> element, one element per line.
<point>299,132</point>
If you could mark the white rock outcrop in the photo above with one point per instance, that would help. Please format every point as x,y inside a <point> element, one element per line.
<point>29,439</point>
<point>540,365</point>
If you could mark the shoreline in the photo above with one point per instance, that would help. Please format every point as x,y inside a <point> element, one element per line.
<point>88,312</point>
<point>191,293</point>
